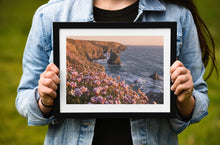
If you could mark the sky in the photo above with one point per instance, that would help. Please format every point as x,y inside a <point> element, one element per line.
<point>125,40</point>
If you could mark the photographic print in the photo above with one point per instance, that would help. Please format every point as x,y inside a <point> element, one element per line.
<point>114,70</point>
<point>108,70</point>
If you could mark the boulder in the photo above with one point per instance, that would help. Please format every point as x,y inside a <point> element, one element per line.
<point>114,59</point>
<point>155,76</point>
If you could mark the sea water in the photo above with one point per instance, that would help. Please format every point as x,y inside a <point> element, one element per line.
<point>137,64</point>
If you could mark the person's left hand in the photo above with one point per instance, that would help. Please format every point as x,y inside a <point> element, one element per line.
<point>183,87</point>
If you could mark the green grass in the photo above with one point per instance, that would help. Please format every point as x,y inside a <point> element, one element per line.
<point>15,22</point>
<point>206,131</point>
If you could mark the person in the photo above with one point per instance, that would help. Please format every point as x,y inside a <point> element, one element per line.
<point>38,85</point>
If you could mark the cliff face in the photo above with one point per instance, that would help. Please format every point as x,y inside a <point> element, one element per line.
<point>83,52</point>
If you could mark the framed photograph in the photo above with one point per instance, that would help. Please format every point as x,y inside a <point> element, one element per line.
<point>113,70</point>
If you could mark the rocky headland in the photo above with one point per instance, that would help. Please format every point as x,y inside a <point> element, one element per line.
<point>83,52</point>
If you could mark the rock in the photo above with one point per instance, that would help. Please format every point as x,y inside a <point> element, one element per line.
<point>114,59</point>
<point>155,76</point>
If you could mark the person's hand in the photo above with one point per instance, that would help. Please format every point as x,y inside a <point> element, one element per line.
<point>47,86</point>
<point>183,87</point>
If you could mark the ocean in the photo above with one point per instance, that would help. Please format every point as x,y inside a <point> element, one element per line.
<point>137,64</point>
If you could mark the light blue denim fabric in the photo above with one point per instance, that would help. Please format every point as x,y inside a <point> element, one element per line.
<point>39,53</point>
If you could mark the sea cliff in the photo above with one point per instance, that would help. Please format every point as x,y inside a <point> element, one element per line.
<point>83,52</point>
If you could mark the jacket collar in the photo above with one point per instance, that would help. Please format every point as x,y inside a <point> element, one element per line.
<point>85,8</point>
<point>151,5</point>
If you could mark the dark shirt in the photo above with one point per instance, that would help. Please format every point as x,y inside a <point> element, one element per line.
<point>127,14</point>
<point>112,131</point>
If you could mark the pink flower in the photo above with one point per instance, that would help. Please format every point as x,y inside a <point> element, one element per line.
<point>129,97</point>
<point>110,83</point>
<point>96,91</point>
<point>73,85</point>
<point>106,76</point>
<point>106,88</point>
<point>102,74</point>
<point>71,92</point>
<point>105,81</point>
<point>96,77</point>
<point>77,92</point>
<point>78,79</point>
<point>133,101</point>
<point>103,92</point>
<point>94,100</point>
<point>96,82</point>
<point>87,93</point>
<point>83,89</point>
<point>100,99</point>
<point>75,73</point>
<point>117,102</point>
<point>125,99</point>
<point>115,84</point>
<point>146,98</point>
<point>109,97</point>
<point>121,93</point>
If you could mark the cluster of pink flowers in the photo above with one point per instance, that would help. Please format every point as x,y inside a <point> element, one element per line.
<point>86,86</point>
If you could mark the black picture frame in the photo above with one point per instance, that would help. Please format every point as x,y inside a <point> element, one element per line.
<point>62,30</point>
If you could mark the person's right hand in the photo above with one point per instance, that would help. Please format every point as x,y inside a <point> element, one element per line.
<point>47,86</point>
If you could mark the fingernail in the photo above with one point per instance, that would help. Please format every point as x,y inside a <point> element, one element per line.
<point>172,88</point>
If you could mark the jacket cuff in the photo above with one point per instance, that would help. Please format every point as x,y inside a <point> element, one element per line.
<point>199,112</point>
<point>35,116</point>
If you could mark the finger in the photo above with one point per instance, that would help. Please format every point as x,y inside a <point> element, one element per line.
<point>183,96</point>
<point>175,65</point>
<point>52,75</point>
<point>45,91</point>
<point>47,100</point>
<point>179,80</point>
<point>42,75</point>
<point>53,67</point>
<point>188,86</point>
<point>179,71</point>
<point>48,83</point>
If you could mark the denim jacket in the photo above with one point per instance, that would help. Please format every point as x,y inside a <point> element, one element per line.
<point>146,131</point>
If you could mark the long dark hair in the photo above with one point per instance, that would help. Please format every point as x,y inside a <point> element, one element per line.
<point>205,38</point>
